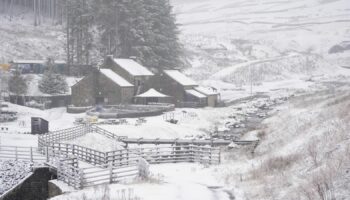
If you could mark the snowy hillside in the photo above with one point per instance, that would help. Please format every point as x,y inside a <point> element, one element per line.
<point>221,34</point>
<point>19,39</point>
<point>303,152</point>
<point>264,34</point>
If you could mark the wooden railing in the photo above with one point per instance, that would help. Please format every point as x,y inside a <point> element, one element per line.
<point>108,134</point>
<point>104,174</point>
<point>122,157</point>
<point>157,155</point>
<point>64,159</point>
<point>111,167</point>
<point>82,153</point>
<point>73,133</point>
<point>108,174</point>
<point>154,155</point>
<point>65,134</point>
<point>31,154</point>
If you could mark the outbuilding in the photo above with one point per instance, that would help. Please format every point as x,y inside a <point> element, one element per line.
<point>211,94</point>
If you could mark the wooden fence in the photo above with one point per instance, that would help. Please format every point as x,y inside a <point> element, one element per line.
<point>73,133</point>
<point>104,174</point>
<point>65,134</point>
<point>154,155</point>
<point>173,154</point>
<point>108,134</point>
<point>31,154</point>
<point>64,160</point>
<point>108,174</point>
<point>113,166</point>
<point>157,155</point>
<point>82,153</point>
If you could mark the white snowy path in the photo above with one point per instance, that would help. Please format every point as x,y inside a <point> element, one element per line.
<point>182,181</point>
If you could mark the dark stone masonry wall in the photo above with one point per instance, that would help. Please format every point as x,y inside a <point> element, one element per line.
<point>33,188</point>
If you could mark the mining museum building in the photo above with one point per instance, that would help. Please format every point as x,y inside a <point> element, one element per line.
<point>124,81</point>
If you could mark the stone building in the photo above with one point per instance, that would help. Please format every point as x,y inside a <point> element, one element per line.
<point>131,71</point>
<point>124,81</point>
<point>103,86</point>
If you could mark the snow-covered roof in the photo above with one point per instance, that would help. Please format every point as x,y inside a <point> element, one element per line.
<point>152,93</point>
<point>180,78</point>
<point>133,67</point>
<point>206,91</point>
<point>116,78</point>
<point>196,94</point>
<point>37,61</point>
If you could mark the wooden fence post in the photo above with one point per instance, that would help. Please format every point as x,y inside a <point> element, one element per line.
<point>47,153</point>
<point>127,155</point>
<point>210,157</point>
<point>31,154</point>
<point>110,174</point>
<point>81,179</point>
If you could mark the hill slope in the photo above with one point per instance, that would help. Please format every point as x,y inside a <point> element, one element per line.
<point>224,33</point>
<point>20,39</point>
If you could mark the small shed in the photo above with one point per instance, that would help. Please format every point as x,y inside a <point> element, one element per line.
<point>152,96</point>
<point>39,125</point>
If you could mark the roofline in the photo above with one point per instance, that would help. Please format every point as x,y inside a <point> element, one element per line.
<point>175,79</point>
<point>115,62</point>
<point>131,85</point>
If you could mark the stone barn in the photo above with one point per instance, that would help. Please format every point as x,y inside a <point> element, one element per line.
<point>103,86</point>
<point>131,71</point>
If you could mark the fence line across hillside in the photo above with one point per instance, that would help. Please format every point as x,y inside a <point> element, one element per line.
<point>109,167</point>
<point>65,163</point>
<point>73,133</point>
<point>153,155</point>
<point>79,131</point>
<point>173,154</point>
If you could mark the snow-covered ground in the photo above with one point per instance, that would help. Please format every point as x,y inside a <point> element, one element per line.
<point>241,47</point>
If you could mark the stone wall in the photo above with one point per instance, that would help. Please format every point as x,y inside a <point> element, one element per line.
<point>33,188</point>
<point>168,86</point>
<point>112,93</point>
<point>83,93</point>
